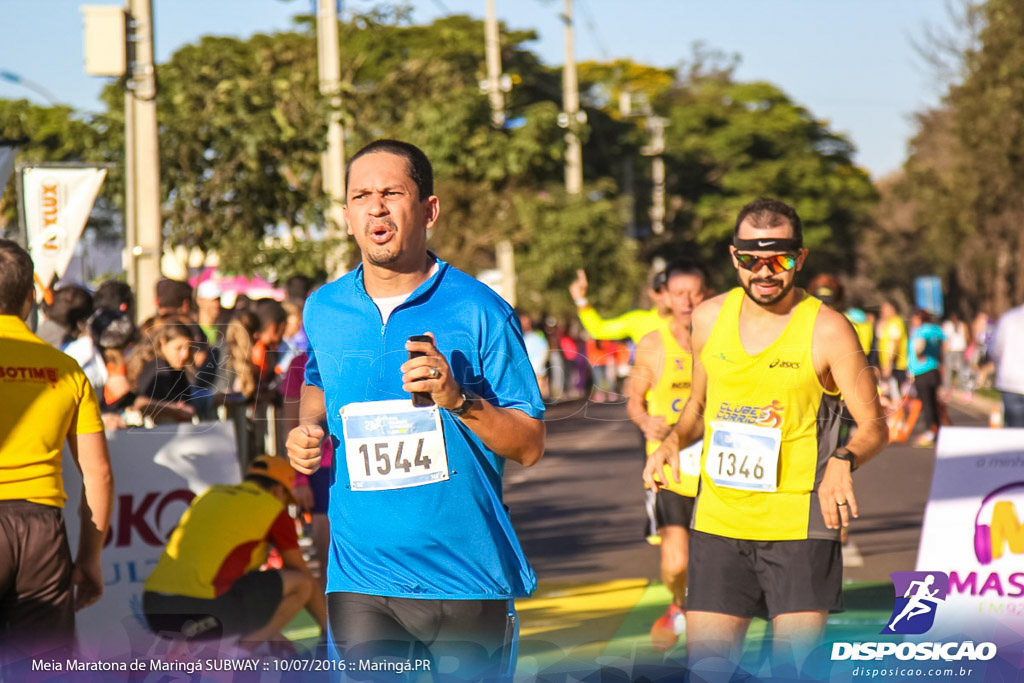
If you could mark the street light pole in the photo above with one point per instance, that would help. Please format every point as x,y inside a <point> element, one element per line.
<point>492,45</point>
<point>146,249</point>
<point>31,85</point>
<point>571,104</point>
<point>332,163</point>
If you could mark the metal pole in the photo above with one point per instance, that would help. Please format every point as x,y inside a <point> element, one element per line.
<point>19,187</point>
<point>332,162</point>
<point>571,103</point>
<point>492,46</point>
<point>504,253</point>
<point>658,176</point>
<point>146,161</point>
<point>131,238</point>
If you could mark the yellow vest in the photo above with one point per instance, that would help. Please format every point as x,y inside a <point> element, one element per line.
<point>667,398</point>
<point>776,388</point>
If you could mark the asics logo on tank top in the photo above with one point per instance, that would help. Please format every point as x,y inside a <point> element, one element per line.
<point>785,364</point>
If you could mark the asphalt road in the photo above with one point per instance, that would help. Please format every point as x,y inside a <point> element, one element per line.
<point>579,512</point>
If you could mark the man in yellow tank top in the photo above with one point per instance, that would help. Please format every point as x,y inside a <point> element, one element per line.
<point>661,379</point>
<point>769,365</point>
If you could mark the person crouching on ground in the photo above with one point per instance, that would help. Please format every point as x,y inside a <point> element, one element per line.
<point>207,584</point>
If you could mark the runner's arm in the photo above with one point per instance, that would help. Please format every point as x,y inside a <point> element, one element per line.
<point>312,405</point>
<point>642,378</point>
<point>839,358</point>
<point>303,444</point>
<point>92,458</point>
<point>508,432</point>
<point>621,327</point>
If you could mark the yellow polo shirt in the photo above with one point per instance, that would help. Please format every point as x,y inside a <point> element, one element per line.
<point>43,393</point>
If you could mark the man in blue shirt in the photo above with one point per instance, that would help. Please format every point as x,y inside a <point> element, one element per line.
<point>424,563</point>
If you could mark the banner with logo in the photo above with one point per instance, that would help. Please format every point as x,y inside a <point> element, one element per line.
<point>7,155</point>
<point>960,615</point>
<point>974,534</point>
<point>157,473</point>
<point>58,202</point>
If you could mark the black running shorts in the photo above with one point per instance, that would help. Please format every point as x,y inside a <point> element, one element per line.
<point>36,608</point>
<point>246,607</point>
<point>673,509</point>
<point>763,578</point>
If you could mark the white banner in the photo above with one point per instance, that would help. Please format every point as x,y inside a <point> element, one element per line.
<point>157,473</point>
<point>58,202</point>
<point>974,534</point>
<point>7,154</point>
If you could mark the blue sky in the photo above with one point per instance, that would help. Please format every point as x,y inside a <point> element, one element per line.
<point>852,63</point>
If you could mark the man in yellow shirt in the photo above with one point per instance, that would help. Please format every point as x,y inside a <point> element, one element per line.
<point>661,378</point>
<point>46,401</point>
<point>769,364</point>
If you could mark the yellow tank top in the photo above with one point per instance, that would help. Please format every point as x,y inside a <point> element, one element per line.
<point>893,330</point>
<point>776,389</point>
<point>667,398</point>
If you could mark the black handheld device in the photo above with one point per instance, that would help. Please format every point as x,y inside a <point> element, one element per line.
<point>420,399</point>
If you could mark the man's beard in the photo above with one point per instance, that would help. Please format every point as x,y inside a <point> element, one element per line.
<point>770,300</point>
<point>382,255</point>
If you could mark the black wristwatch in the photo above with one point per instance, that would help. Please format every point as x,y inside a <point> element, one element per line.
<point>846,455</point>
<point>462,408</point>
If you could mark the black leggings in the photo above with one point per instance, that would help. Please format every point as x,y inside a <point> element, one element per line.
<point>469,640</point>
<point>927,387</point>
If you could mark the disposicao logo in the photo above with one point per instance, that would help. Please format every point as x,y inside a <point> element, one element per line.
<point>918,595</point>
<point>918,598</point>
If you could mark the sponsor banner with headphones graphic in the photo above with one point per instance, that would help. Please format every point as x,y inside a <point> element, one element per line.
<point>972,542</point>
<point>157,473</point>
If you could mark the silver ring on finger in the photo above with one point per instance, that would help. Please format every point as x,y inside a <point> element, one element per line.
<point>435,373</point>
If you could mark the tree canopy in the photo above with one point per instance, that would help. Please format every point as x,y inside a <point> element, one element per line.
<point>242,128</point>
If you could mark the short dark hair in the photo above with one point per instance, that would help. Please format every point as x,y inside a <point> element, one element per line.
<point>115,295</point>
<point>71,305</point>
<point>16,271</point>
<point>420,170</point>
<point>765,212</point>
<point>270,313</point>
<point>173,293</point>
<point>686,267</point>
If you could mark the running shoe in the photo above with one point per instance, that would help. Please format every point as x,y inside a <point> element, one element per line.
<point>926,440</point>
<point>667,629</point>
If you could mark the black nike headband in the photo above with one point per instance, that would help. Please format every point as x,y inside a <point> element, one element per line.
<point>786,245</point>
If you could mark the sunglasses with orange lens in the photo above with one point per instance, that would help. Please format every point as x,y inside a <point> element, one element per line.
<point>777,263</point>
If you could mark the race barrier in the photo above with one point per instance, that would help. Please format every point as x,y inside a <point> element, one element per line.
<point>157,473</point>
